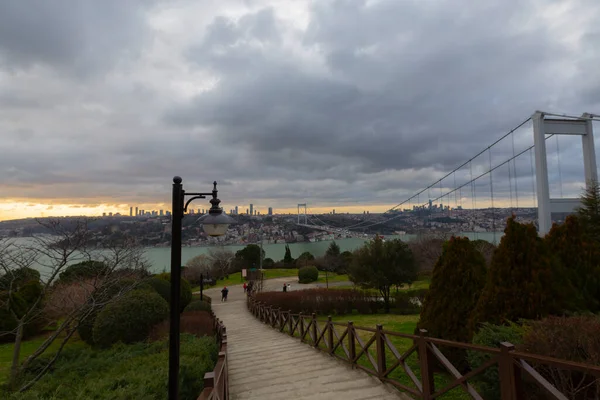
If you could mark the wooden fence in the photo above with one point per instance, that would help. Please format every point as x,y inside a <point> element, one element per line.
<point>216,382</point>
<point>378,356</point>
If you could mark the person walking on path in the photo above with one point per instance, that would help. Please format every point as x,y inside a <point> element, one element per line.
<point>284,287</point>
<point>224,292</point>
<point>245,287</point>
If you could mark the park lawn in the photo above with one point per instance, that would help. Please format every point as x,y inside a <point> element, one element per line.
<point>332,277</point>
<point>422,283</point>
<point>27,348</point>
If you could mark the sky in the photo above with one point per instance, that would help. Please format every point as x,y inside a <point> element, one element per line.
<point>352,105</point>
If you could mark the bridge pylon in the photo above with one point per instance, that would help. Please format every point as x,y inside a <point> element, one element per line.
<point>302,215</point>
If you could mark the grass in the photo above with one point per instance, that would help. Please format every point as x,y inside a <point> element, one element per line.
<point>333,277</point>
<point>422,283</point>
<point>137,371</point>
<point>27,348</point>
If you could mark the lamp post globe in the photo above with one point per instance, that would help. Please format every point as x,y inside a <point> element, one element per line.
<point>215,224</point>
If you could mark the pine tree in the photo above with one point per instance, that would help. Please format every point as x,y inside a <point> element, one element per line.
<point>524,279</point>
<point>458,278</point>
<point>287,258</point>
<point>579,255</point>
<point>589,211</point>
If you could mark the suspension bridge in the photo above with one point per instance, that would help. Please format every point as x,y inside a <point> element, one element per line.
<point>521,172</point>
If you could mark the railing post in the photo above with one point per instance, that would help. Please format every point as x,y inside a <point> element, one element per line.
<point>380,343</point>
<point>351,342</point>
<point>330,334</point>
<point>301,323</point>
<point>510,378</point>
<point>209,380</point>
<point>279,318</point>
<point>425,362</point>
<point>290,324</point>
<point>314,329</point>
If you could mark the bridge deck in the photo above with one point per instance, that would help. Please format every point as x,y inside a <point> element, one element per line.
<point>266,364</point>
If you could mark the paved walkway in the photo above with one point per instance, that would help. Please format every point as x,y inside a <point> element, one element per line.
<point>266,364</point>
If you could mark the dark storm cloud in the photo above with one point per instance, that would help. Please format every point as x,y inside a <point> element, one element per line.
<point>80,36</point>
<point>353,102</point>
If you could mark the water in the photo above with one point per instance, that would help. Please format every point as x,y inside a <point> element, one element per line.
<point>159,258</point>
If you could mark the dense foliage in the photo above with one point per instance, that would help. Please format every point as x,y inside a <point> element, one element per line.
<point>129,318</point>
<point>579,254</point>
<point>82,270</point>
<point>198,305</point>
<point>589,211</point>
<point>456,284</point>
<point>308,274</point>
<point>305,259</point>
<point>13,279</point>
<point>160,286</point>
<point>185,296</point>
<point>321,301</point>
<point>287,257</point>
<point>123,372</point>
<point>382,265</point>
<point>249,256</point>
<point>525,280</point>
<point>25,295</point>
<point>488,382</point>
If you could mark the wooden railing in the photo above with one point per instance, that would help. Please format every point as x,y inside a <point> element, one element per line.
<point>378,356</point>
<point>216,382</point>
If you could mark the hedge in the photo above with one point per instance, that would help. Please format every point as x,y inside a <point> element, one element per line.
<point>308,274</point>
<point>198,305</point>
<point>322,301</point>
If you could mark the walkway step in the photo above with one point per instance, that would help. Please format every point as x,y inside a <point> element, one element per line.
<point>266,364</point>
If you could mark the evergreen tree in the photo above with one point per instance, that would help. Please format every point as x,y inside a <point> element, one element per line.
<point>333,250</point>
<point>579,255</point>
<point>287,258</point>
<point>589,211</point>
<point>524,279</point>
<point>458,278</point>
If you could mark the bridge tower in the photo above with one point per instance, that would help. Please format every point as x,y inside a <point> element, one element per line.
<point>543,126</point>
<point>303,214</point>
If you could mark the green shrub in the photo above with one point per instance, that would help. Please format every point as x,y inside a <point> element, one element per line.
<point>186,290</point>
<point>129,318</point>
<point>406,302</point>
<point>82,270</point>
<point>525,280</point>
<point>160,286</point>
<point>102,295</point>
<point>488,382</point>
<point>135,371</point>
<point>308,274</point>
<point>13,279</point>
<point>198,305</point>
<point>458,278</point>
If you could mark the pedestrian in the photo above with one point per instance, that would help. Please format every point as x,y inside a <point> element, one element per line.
<point>245,287</point>
<point>224,292</point>
<point>284,287</point>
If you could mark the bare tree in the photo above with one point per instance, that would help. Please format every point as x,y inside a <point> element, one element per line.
<point>221,261</point>
<point>51,254</point>
<point>196,267</point>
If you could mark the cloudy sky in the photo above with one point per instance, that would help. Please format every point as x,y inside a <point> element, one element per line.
<point>346,104</point>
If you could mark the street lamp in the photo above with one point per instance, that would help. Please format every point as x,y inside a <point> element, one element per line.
<point>215,223</point>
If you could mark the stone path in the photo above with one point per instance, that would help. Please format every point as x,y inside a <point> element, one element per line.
<point>266,364</point>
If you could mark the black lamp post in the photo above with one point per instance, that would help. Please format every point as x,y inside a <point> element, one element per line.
<point>215,223</point>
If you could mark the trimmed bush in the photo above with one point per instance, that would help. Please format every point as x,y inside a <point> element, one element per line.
<point>129,318</point>
<point>457,281</point>
<point>186,290</point>
<point>525,280</point>
<point>321,301</point>
<point>308,274</point>
<point>13,279</point>
<point>198,305</point>
<point>197,323</point>
<point>488,382</point>
<point>82,270</point>
<point>567,338</point>
<point>160,286</point>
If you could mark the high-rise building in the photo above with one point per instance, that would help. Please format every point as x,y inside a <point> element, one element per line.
<point>251,209</point>
<point>236,210</point>
<point>136,212</point>
<point>110,214</point>
<point>270,210</point>
<point>333,211</point>
<point>131,211</point>
<point>247,212</point>
<point>198,211</point>
<point>162,212</point>
<point>104,214</point>
<point>168,213</point>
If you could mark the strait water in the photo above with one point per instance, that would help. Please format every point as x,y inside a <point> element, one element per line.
<point>159,258</point>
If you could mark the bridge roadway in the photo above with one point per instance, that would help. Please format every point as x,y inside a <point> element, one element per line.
<point>266,364</point>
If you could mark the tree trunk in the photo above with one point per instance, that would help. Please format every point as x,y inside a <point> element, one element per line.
<point>326,279</point>
<point>386,299</point>
<point>14,368</point>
